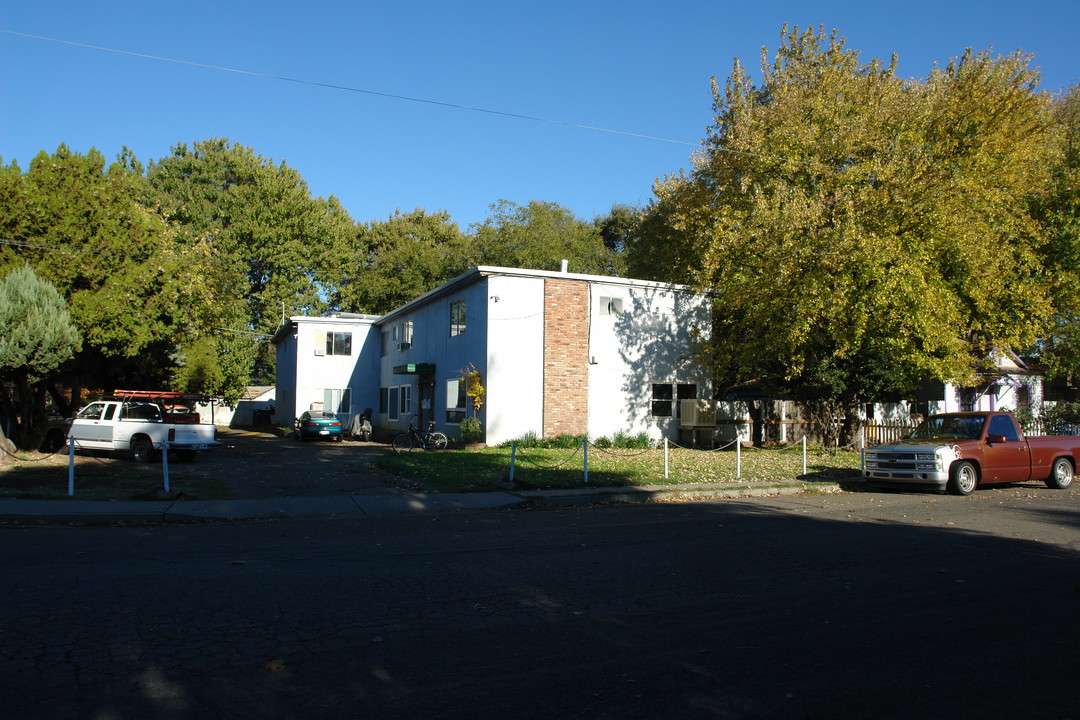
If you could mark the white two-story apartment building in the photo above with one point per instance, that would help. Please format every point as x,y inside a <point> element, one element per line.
<point>558,353</point>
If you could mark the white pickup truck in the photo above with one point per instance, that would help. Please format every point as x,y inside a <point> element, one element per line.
<point>139,427</point>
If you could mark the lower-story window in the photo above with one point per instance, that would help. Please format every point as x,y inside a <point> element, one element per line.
<point>336,400</point>
<point>455,401</point>
<point>665,397</point>
<point>392,403</point>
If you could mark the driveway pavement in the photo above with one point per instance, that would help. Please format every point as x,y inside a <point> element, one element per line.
<point>263,465</point>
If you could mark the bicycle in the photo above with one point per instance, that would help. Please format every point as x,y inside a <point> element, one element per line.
<point>413,438</point>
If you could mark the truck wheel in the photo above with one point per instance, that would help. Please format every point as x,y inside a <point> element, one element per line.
<point>54,440</point>
<point>142,450</point>
<point>186,456</point>
<point>1061,474</point>
<point>963,477</point>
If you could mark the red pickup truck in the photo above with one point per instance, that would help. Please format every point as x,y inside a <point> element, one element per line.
<point>960,451</point>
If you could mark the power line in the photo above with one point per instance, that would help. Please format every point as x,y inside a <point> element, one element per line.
<point>346,88</point>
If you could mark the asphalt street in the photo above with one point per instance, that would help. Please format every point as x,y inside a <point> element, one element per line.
<point>856,605</point>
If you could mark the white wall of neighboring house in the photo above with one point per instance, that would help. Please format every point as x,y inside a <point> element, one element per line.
<point>306,371</point>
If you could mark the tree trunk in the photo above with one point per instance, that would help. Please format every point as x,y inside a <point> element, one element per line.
<point>7,448</point>
<point>849,430</point>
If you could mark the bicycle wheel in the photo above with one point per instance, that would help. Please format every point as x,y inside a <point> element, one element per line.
<point>437,441</point>
<point>402,443</point>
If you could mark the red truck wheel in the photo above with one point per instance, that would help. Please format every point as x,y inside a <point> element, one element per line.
<point>1061,474</point>
<point>963,477</point>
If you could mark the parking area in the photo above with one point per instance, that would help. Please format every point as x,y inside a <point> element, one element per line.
<point>253,464</point>
<point>264,465</point>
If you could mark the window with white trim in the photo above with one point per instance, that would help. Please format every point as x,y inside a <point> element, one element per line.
<point>457,317</point>
<point>611,306</point>
<point>336,400</point>
<point>333,343</point>
<point>456,401</point>
<point>392,403</point>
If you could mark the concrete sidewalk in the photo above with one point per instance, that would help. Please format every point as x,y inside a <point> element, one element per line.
<point>374,505</point>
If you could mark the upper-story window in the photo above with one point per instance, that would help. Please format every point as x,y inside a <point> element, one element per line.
<point>457,317</point>
<point>610,306</point>
<point>339,343</point>
<point>406,335</point>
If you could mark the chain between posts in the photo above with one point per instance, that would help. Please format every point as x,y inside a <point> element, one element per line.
<point>667,445</point>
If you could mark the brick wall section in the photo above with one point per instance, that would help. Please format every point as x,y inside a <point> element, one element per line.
<point>566,357</point>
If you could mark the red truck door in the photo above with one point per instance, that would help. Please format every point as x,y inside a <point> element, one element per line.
<point>1008,461</point>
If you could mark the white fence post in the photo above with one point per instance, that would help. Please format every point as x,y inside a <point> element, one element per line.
<point>165,463</point>
<point>585,455</point>
<point>804,455</point>
<point>665,457</point>
<point>738,456</point>
<point>71,467</point>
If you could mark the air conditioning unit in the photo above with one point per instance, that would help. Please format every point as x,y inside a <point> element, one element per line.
<point>697,413</point>
<point>403,346</point>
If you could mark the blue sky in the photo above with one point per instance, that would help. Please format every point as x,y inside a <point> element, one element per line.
<point>633,67</point>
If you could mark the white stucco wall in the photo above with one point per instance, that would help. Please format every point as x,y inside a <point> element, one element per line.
<point>285,379</point>
<point>514,372</point>
<point>314,372</point>
<point>648,341</point>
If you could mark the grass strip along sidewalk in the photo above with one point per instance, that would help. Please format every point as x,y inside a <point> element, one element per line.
<point>562,468</point>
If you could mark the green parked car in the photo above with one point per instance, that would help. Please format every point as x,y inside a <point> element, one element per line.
<point>317,425</point>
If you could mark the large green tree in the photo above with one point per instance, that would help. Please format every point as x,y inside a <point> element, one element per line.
<point>539,235</point>
<point>261,219</point>
<point>37,336</point>
<point>85,226</point>
<point>398,259</point>
<point>275,249</point>
<point>1059,211</point>
<point>863,232</point>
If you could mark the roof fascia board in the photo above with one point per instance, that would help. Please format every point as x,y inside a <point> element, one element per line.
<point>295,320</point>
<point>473,274</point>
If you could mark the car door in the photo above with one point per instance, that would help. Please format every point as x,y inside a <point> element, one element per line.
<point>93,426</point>
<point>1008,461</point>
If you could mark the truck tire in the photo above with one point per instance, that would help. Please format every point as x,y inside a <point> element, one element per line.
<point>963,478</point>
<point>54,441</point>
<point>142,449</point>
<point>1061,474</point>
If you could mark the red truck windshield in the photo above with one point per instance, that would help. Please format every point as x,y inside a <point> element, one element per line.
<point>950,427</point>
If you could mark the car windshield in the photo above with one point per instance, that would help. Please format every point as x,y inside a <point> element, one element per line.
<point>960,427</point>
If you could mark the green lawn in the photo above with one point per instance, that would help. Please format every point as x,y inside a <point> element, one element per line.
<point>480,470</point>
